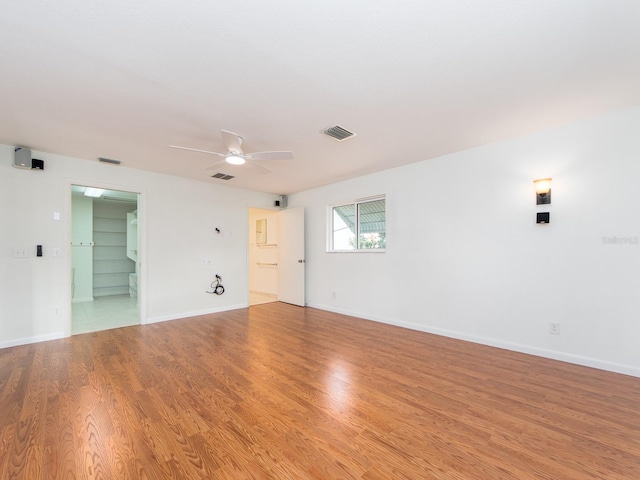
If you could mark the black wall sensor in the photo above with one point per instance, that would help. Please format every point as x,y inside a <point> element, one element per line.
<point>542,217</point>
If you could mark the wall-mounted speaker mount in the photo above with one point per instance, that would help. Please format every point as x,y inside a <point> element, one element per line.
<point>22,159</point>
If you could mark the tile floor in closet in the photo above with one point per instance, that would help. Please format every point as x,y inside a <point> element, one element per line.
<point>103,313</point>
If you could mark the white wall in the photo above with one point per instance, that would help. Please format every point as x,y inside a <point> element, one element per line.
<point>465,258</point>
<point>178,217</point>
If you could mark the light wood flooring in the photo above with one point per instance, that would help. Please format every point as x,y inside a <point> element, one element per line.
<point>282,392</point>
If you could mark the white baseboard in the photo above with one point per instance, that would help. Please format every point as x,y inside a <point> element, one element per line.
<point>59,335</point>
<point>36,339</point>
<point>516,347</point>
<point>266,294</point>
<point>178,316</point>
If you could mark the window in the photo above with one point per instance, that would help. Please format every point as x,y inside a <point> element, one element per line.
<point>358,226</point>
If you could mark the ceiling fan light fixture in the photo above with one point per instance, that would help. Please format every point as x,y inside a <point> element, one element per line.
<point>234,159</point>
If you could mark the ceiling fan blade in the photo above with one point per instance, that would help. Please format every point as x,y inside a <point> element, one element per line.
<point>259,168</point>
<point>271,156</point>
<point>232,141</point>
<point>215,165</point>
<point>196,150</point>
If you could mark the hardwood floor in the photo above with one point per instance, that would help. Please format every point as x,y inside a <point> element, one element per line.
<point>283,392</point>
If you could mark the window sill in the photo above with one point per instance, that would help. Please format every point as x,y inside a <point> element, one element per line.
<point>372,250</point>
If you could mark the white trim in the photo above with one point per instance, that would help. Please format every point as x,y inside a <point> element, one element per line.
<point>372,198</point>
<point>362,250</point>
<point>261,207</point>
<point>168,318</point>
<point>142,232</point>
<point>27,340</point>
<point>491,342</point>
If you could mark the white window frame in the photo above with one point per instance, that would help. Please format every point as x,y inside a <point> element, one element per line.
<point>355,203</point>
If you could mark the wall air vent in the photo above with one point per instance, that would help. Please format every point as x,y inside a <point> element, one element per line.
<point>109,160</point>
<point>338,132</point>
<point>223,176</point>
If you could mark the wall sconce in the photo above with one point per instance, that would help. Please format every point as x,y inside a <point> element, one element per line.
<point>543,191</point>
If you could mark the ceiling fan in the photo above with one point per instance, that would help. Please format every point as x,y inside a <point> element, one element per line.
<point>236,156</point>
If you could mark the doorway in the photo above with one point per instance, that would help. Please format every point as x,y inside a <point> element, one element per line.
<point>263,256</point>
<point>276,256</point>
<point>105,251</point>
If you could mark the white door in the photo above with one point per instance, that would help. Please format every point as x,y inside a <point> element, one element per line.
<point>291,252</point>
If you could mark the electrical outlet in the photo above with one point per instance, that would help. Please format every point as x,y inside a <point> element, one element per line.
<point>21,252</point>
<point>56,311</point>
<point>554,328</point>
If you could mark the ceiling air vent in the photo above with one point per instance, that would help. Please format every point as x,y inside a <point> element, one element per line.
<point>339,133</point>
<point>109,160</point>
<point>223,176</point>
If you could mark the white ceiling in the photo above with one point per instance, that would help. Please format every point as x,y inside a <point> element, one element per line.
<point>414,79</point>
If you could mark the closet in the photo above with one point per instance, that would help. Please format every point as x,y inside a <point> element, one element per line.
<point>111,264</point>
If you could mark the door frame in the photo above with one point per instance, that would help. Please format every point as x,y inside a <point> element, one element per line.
<point>142,239</point>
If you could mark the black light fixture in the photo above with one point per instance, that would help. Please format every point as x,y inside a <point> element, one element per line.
<point>543,191</point>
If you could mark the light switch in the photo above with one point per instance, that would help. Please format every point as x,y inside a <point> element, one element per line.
<point>20,252</point>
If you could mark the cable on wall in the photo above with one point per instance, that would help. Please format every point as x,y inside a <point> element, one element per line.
<point>216,286</point>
